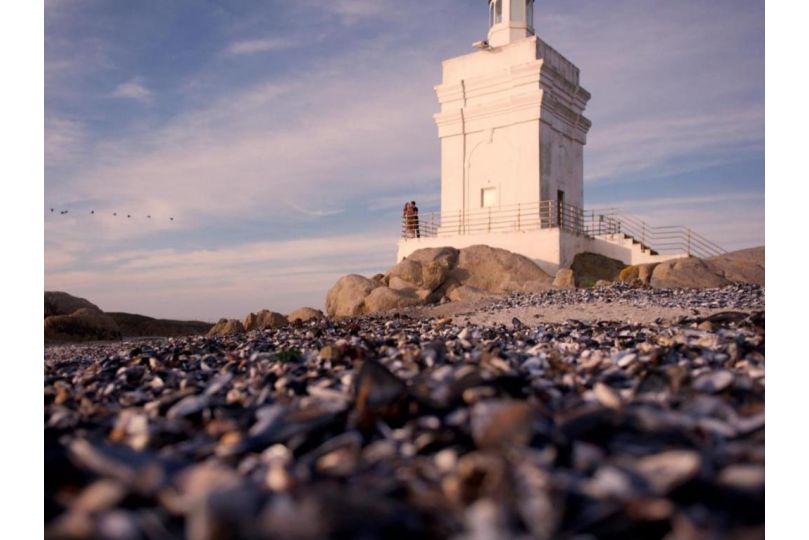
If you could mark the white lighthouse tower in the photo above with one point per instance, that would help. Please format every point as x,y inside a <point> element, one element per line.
<point>512,123</point>
<point>512,131</point>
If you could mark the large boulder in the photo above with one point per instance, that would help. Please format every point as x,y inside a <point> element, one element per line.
<point>305,314</point>
<point>426,268</point>
<point>565,279</point>
<point>496,270</point>
<point>686,273</point>
<point>434,274</point>
<point>83,324</point>
<point>744,266</point>
<point>264,320</point>
<point>346,298</point>
<point>385,299</point>
<point>61,303</point>
<point>637,274</point>
<point>132,325</point>
<point>227,327</point>
<point>467,293</point>
<point>592,267</point>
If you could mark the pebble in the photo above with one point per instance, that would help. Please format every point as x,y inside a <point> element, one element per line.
<point>713,382</point>
<point>667,470</point>
<point>395,426</point>
<point>607,396</point>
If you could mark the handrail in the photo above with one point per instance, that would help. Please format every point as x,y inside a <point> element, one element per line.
<point>525,217</point>
<point>684,238</point>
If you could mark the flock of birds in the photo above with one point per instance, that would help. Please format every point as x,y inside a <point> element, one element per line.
<point>115,214</point>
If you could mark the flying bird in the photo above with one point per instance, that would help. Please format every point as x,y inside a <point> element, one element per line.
<point>115,213</point>
<point>92,211</point>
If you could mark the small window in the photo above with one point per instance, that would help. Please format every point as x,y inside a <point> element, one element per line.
<point>488,197</point>
<point>529,13</point>
<point>498,11</point>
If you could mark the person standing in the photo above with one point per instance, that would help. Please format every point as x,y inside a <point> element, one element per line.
<point>414,211</point>
<point>406,221</point>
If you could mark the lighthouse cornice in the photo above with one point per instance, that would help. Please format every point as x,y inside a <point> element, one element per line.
<point>521,82</point>
<point>538,107</point>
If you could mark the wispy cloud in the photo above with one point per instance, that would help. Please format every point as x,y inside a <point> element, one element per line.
<point>669,144</point>
<point>132,89</point>
<point>311,212</point>
<point>352,11</point>
<point>304,141</point>
<point>673,90</point>
<point>657,202</point>
<point>219,282</point>
<point>254,46</point>
<point>63,139</point>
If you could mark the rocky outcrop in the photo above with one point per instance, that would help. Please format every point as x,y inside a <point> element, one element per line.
<point>637,274</point>
<point>498,270</point>
<point>565,279</point>
<point>346,298</point>
<point>467,293</point>
<point>264,320</point>
<point>475,273</point>
<point>227,327</point>
<point>427,268</point>
<point>743,266</point>
<point>385,299</point>
<point>592,267</point>
<point>686,273</point>
<point>83,324</point>
<point>70,318</point>
<point>305,314</point>
<point>434,274</point>
<point>62,303</point>
<point>132,325</point>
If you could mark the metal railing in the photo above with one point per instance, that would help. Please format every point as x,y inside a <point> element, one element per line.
<point>667,239</point>
<point>507,218</point>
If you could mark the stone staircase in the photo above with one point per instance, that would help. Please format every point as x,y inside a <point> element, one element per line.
<point>646,242</point>
<point>626,248</point>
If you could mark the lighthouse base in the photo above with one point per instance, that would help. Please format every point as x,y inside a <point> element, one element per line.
<point>551,249</point>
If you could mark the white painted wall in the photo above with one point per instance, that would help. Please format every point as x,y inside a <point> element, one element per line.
<point>511,119</point>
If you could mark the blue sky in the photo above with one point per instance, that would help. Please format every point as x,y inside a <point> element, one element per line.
<point>284,136</point>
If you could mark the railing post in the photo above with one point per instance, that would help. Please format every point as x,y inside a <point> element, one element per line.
<point>518,216</point>
<point>542,214</point>
<point>688,248</point>
<point>643,233</point>
<point>489,226</point>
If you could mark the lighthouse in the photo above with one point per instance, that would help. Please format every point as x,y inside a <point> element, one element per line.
<point>512,129</point>
<point>512,125</point>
